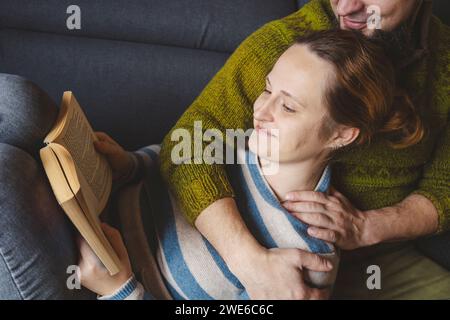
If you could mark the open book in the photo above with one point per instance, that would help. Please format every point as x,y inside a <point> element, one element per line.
<point>80,177</point>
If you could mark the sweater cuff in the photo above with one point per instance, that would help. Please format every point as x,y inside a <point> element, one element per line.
<point>130,290</point>
<point>443,214</point>
<point>196,187</point>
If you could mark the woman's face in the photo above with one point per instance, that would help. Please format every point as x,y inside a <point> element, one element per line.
<point>290,113</point>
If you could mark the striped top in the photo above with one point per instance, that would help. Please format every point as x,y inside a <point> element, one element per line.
<point>191,268</point>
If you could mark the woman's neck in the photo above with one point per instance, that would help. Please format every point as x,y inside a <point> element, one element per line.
<point>300,176</point>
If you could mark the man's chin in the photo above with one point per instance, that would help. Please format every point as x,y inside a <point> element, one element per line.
<point>366,31</point>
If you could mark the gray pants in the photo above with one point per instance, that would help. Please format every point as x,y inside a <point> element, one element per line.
<point>36,238</point>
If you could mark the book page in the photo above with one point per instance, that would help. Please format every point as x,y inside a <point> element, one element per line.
<point>78,138</point>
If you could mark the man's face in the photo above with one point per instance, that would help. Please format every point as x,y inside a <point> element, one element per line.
<point>359,14</point>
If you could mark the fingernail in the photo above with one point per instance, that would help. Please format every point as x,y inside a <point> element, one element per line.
<point>289,196</point>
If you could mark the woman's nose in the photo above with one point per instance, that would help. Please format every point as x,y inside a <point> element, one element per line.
<point>349,7</point>
<point>263,110</point>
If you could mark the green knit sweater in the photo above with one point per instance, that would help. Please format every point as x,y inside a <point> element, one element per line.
<point>371,176</point>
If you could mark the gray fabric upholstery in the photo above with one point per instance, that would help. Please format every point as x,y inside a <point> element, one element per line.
<point>149,57</point>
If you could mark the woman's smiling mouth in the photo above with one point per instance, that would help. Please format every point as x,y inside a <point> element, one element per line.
<point>265,132</point>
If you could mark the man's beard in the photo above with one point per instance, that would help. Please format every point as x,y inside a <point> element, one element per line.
<point>398,44</point>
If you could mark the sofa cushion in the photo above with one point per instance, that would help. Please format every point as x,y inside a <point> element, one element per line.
<point>133,91</point>
<point>199,24</point>
<point>441,8</point>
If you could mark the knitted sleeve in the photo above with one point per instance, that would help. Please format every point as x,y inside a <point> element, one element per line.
<point>435,183</point>
<point>225,103</point>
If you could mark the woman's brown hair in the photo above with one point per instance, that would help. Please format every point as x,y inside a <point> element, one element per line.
<point>363,93</point>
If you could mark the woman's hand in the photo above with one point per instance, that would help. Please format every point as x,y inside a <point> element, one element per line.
<point>278,274</point>
<point>93,275</point>
<point>119,160</point>
<point>331,218</point>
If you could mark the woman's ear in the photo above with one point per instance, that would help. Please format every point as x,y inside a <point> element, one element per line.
<point>344,136</point>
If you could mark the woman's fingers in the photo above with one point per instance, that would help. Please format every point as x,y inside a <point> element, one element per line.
<point>108,146</point>
<point>313,262</point>
<point>94,275</point>
<point>88,260</point>
<point>85,249</point>
<point>319,294</point>
<point>105,147</point>
<point>116,241</point>
<point>102,136</point>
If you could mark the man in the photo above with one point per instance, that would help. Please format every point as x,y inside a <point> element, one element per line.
<point>389,194</point>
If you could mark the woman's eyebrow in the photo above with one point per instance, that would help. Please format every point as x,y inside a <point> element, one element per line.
<point>287,94</point>
<point>293,98</point>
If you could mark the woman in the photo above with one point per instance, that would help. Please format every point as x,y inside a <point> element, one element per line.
<point>329,90</point>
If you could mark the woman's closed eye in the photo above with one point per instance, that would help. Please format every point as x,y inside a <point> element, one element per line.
<point>287,108</point>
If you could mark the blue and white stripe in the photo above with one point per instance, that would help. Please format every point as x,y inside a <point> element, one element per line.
<point>192,268</point>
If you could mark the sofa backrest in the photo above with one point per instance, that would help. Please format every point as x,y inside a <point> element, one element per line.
<point>135,65</point>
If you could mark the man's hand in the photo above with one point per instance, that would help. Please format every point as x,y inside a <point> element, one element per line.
<point>331,218</point>
<point>119,160</point>
<point>265,274</point>
<point>93,275</point>
<point>334,219</point>
<point>278,274</point>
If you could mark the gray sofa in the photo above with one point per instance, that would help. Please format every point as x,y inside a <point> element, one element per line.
<point>134,66</point>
